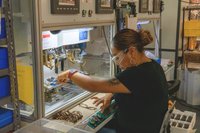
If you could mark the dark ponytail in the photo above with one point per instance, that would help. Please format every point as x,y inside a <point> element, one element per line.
<point>127,38</point>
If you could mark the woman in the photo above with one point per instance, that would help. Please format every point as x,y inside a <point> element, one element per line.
<point>140,90</point>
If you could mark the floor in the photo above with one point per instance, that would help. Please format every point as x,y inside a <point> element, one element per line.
<point>184,107</point>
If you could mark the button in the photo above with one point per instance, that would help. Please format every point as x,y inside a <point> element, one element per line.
<point>90,12</point>
<point>84,12</point>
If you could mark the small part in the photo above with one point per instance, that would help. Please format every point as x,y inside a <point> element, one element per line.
<point>73,117</point>
<point>84,12</point>
<point>90,12</point>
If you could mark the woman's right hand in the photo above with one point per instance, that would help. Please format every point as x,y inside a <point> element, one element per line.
<point>63,77</point>
<point>105,101</point>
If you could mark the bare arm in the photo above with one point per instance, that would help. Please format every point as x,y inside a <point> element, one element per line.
<point>99,85</point>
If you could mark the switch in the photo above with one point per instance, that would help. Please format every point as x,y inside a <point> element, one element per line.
<point>90,12</point>
<point>84,12</point>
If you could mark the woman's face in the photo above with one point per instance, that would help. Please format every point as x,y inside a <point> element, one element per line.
<point>120,58</point>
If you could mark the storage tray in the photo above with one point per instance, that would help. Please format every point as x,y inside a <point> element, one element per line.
<point>3,58</point>
<point>6,117</point>
<point>5,86</point>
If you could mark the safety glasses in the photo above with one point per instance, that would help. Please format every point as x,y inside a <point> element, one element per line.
<point>118,58</point>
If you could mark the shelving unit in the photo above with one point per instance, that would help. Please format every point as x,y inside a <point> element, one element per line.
<point>4,72</point>
<point>190,35</point>
<point>8,43</point>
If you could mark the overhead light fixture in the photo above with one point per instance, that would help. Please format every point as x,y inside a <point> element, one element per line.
<point>141,22</point>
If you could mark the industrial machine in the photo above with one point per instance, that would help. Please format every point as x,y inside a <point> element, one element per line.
<point>56,35</point>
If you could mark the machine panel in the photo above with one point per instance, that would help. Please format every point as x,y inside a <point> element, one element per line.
<point>65,6</point>
<point>86,16</point>
<point>104,6</point>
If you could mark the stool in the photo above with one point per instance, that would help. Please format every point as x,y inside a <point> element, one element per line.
<point>173,87</point>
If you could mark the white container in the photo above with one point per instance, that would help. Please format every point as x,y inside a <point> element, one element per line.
<point>182,122</point>
<point>193,88</point>
<point>183,77</point>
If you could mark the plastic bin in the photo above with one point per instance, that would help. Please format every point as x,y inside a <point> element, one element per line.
<point>3,28</point>
<point>5,86</point>
<point>6,117</point>
<point>0,3</point>
<point>193,88</point>
<point>182,122</point>
<point>3,58</point>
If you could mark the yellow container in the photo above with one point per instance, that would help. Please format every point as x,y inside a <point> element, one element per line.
<point>25,83</point>
<point>192,28</point>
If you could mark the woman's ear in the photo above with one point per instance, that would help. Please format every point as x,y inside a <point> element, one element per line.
<point>132,50</point>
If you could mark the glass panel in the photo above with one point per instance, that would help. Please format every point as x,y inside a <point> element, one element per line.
<point>23,38</point>
<point>46,126</point>
<point>84,49</point>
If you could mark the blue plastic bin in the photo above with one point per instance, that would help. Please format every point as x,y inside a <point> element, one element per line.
<point>3,58</point>
<point>3,29</point>
<point>4,86</point>
<point>6,117</point>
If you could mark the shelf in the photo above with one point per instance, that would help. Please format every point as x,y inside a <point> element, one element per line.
<point>6,128</point>
<point>5,100</point>
<point>4,72</point>
<point>2,42</point>
<point>193,7</point>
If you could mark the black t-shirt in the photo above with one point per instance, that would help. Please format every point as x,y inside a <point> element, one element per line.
<point>143,110</point>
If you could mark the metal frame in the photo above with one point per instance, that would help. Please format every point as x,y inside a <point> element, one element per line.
<point>12,69</point>
<point>189,9</point>
<point>12,62</point>
<point>38,77</point>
